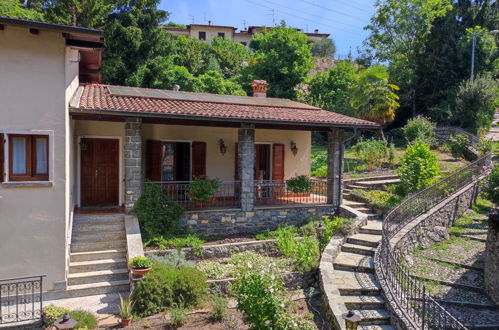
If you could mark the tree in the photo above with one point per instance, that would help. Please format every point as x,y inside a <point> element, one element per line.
<point>192,54</point>
<point>373,97</point>
<point>398,32</point>
<point>324,48</point>
<point>282,57</point>
<point>419,167</point>
<point>214,82</point>
<point>14,8</point>
<point>85,13</point>
<point>486,51</point>
<point>332,90</point>
<point>230,56</point>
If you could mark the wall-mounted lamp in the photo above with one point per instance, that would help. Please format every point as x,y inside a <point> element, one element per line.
<point>222,146</point>
<point>293,147</point>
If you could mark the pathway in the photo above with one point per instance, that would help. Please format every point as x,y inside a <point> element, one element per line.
<point>493,134</point>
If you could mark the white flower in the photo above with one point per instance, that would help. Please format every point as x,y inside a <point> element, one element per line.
<point>271,290</point>
<point>250,266</point>
<point>267,322</point>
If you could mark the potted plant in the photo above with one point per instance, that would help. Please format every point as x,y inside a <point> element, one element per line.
<point>126,306</point>
<point>140,265</point>
<point>300,186</point>
<point>202,190</point>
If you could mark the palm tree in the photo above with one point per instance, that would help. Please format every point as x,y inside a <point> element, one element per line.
<point>373,97</point>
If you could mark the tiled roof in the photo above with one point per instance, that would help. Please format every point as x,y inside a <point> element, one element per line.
<point>188,105</point>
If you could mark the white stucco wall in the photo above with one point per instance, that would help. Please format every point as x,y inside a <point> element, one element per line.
<point>34,221</point>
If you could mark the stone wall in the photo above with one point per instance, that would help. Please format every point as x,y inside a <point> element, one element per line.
<point>233,221</point>
<point>492,263</point>
<point>133,161</point>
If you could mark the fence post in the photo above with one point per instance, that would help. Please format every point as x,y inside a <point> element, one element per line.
<point>424,307</point>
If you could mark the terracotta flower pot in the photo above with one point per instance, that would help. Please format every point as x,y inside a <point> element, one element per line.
<point>140,272</point>
<point>124,323</point>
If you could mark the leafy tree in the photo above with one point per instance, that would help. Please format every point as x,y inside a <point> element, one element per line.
<point>486,52</point>
<point>331,90</point>
<point>85,13</point>
<point>373,97</point>
<point>230,56</point>
<point>324,48</point>
<point>192,54</point>
<point>214,82</point>
<point>282,57</point>
<point>14,8</point>
<point>476,103</point>
<point>419,128</point>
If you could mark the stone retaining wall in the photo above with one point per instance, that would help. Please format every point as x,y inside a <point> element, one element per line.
<point>233,221</point>
<point>492,263</point>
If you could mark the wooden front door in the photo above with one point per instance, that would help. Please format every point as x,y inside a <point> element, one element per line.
<point>99,172</point>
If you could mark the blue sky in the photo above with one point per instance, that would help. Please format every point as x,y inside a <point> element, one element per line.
<point>343,19</point>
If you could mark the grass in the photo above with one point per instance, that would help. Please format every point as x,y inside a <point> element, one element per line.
<point>316,149</point>
<point>379,199</point>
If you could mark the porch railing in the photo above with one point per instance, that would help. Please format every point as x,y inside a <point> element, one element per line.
<point>226,196</point>
<point>277,192</point>
<point>21,299</point>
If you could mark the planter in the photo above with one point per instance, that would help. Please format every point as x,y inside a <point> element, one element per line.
<point>139,272</point>
<point>124,323</point>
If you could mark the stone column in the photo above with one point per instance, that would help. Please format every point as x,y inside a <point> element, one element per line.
<point>133,161</point>
<point>492,262</point>
<point>335,167</point>
<point>246,149</point>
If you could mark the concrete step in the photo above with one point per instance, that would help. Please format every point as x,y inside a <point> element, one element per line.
<point>354,262</point>
<point>98,246</point>
<point>372,216</point>
<point>360,249</point>
<point>377,182</point>
<point>120,274</point>
<point>373,316</point>
<point>83,290</point>
<point>364,239</point>
<point>97,255</point>
<point>376,327</point>
<point>363,302</point>
<point>356,283</point>
<point>98,219</point>
<point>353,204</point>
<point>97,265</point>
<point>354,186</point>
<point>372,227</point>
<point>89,237</point>
<point>90,227</point>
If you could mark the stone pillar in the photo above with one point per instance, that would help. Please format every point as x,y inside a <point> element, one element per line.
<point>492,262</point>
<point>133,161</point>
<point>246,149</point>
<point>335,167</point>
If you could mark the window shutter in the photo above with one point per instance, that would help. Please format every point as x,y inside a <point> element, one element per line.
<point>154,152</point>
<point>2,159</point>
<point>198,159</point>
<point>236,160</point>
<point>278,162</point>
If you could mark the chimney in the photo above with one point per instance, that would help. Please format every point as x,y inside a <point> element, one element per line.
<point>316,31</point>
<point>259,88</point>
<point>176,88</point>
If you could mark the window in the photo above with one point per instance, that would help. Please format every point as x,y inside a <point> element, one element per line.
<point>28,157</point>
<point>202,35</point>
<point>221,35</point>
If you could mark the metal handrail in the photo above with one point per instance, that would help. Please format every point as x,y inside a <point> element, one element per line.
<point>410,294</point>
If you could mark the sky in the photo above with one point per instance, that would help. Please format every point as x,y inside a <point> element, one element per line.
<point>343,19</point>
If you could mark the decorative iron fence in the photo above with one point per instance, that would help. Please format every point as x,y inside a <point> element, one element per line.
<point>277,192</point>
<point>227,195</point>
<point>408,293</point>
<point>21,299</point>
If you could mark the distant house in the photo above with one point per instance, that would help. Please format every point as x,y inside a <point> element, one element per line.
<point>208,32</point>
<point>72,147</point>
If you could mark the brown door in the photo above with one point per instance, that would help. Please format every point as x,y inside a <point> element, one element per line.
<point>278,162</point>
<point>100,172</point>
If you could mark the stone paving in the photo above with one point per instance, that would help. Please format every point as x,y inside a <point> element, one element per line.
<point>493,134</point>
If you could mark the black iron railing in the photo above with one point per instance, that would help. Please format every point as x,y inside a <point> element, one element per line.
<point>408,293</point>
<point>21,299</point>
<point>277,192</point>
<point>227,195</point>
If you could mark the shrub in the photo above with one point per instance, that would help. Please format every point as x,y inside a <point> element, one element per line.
<point>140,262</point>
<point>52,314</point>
<point>175,259</point>
<point>321,172</point>
<point>178,315</point>
<point>157,216</point>
<point>306,256</point>
<point>484,146</point>
<point>379,199</point>
<point>491,187</point>
<point>419,167</point>
<point>319,160</point>
<point>85,319</point>
<point>419,128</point>
<point>165,286</point>
<point>178,242</point>
<point>371,151</point>
<point>203,189</point>
<point>220,308</point>
<point>458,144</point>
<point>299,184</point>
<point>286,243</point>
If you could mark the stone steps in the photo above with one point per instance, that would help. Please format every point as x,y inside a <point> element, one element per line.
<point>373,316</point>
<point>376,327</point>
<point>97,265</point>
<point>98,219</point>
<point>91,289</point>
<point>97,255</point>
<point>98,246</point>
<point>372,227</point>
<point>105,227</point>
<point>364,301</point>
<point>360,249</point>
<point>354,262</point>
<point>378,182</point>
<point>364,239</point>
<point>96,236</point>
<point>109,275</point>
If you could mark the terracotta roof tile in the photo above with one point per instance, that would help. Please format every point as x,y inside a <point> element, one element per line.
<point>99,97</point>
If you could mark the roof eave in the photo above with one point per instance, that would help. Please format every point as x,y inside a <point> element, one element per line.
<point>50,26</point>
<point>77,110</point>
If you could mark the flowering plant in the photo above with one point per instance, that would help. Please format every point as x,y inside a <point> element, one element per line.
<point>203,189</point>
<point>260,295</point>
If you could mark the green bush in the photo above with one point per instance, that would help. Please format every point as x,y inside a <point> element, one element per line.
<point>286,243</point>
<point>306,254</point>
<point>85,320</point>
<point>220,308</point>
<point>379,199</point>
<point>319,160</point>
<point>52,314</point>
<point>203,190</point>
<point>491,186</point>
<point>321,172</point>
<point>484,146</point>
<point>420,128</point>
<point>178,242</point>
<point>458,144</point>
<point>165,286</point>
<point>140,262</point>
<point>175,259</point>
<point>178,315</point>
<point>419,167</point>
<point>372,151</point>
<point>157,216</point>
<point>299,184</point>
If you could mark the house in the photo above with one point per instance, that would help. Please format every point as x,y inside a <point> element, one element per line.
<point>208,32</point>
<point>73,147</point>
